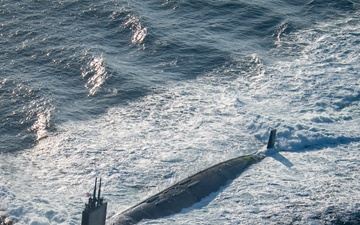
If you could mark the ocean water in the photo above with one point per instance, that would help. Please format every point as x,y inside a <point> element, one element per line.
<point>145,93</point>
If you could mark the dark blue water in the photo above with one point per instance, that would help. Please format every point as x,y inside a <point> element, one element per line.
<point>48,49</point>
<point>70,61</point>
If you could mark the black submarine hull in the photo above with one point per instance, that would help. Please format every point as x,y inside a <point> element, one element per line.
<point>187,192</point>
<point>190,190</point>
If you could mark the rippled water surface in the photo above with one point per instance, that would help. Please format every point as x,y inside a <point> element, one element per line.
<point>145,94</point>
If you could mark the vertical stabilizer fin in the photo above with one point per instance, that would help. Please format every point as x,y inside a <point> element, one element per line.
<point>271,142</point>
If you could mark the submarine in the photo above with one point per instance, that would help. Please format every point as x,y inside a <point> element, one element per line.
<point>184,193</point>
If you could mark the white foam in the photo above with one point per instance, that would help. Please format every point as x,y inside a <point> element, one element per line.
<point>144,146</point>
